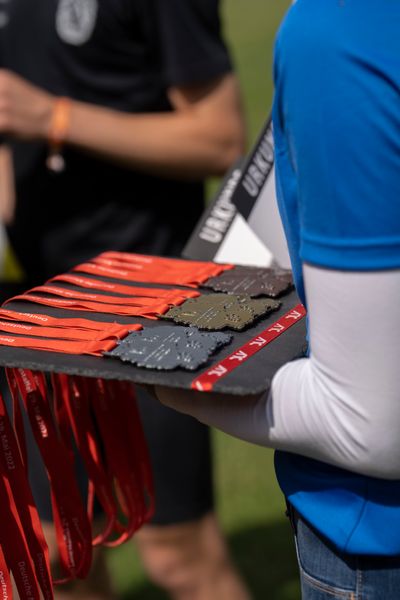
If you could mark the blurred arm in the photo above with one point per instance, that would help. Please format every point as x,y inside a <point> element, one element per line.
<point>203,135</point>
<point>342,404</point>
<point>7,190</point>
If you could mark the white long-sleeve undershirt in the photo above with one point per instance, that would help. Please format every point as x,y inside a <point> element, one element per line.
<point>341,405</point>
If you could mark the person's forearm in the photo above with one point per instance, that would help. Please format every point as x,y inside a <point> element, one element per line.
<point>177,144</point>
<point>240,416</point>
<point>203,134</point>
<point>339,406</point>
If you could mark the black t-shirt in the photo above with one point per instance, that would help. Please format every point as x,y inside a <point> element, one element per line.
<point>121,54</point>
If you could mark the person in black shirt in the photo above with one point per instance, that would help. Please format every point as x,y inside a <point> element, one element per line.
<point>152,109</point>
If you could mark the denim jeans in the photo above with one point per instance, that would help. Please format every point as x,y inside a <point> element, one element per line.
<point>328,574</point>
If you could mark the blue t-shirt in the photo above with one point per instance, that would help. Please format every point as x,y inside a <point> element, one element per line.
<point>337,138</point>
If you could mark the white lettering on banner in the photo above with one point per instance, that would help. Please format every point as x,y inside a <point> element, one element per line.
<point>219,371</point>
<point>217,224</point>
<point>250,186</point>
<point>222,213</point>
<point>260,165</point>
<point>257,175</point>
<point>260,341</point>
<point>208,235</point>
<point>277,327</point>
<point>239,356</point>
<point>266,151</point>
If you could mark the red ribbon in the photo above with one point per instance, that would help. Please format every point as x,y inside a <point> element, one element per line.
<point>36,572</point>
<point>173,297</point>
<point>70,519</point>
<point>152,269</point>
<point>98,307</point>
<point>47,321</point>
<point>205,382</point>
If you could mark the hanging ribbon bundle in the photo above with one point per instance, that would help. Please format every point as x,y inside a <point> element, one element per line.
<point>100,418</point>
<point>97,418</point>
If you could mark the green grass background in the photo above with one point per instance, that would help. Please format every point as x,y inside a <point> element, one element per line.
<point>249,503</point>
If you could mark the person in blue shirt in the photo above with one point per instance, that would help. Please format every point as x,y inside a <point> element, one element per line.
<point>335,415</point>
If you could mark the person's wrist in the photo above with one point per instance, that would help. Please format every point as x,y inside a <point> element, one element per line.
<point>45,113</point>
<point>57,131</point>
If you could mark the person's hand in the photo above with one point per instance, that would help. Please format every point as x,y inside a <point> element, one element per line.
<point>181,400</point>
<point>25,110</point>
<point>241,416</point>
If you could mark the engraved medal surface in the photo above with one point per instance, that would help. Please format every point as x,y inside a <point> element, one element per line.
<point>253,281</point>
<point>219,311</point>
<point>169,347</point>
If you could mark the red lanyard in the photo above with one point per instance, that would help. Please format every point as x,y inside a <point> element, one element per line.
<point>21,500</point>
<point>5,579</point>
<point>75,295</point>
<point>62,346</point>
<point>135,439</point>
<point>126,458</point>
<point>121,463</point>
<point>82,340</point>
<point>190,275</point>
<point>174,297</point>
<point>17,417</point>
<point>15,547</point>
<point>149,261</point>
<point>103,418</point>
<point>70,519</point>
<point>114,333</point>
<point>47,321</point>
<point>73,393</point>
<point>98,307</point>
<point>167,270</point>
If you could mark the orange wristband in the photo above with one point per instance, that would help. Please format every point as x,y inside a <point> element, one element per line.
<point>58,130</point>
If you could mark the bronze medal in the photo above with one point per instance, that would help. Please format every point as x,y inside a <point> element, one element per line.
<point>220,311</point>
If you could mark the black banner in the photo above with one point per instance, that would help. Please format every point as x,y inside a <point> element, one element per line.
<point>216,220</point>
<point>257,169</point>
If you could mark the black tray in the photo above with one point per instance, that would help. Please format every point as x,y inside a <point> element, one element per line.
<point>251,377</point>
